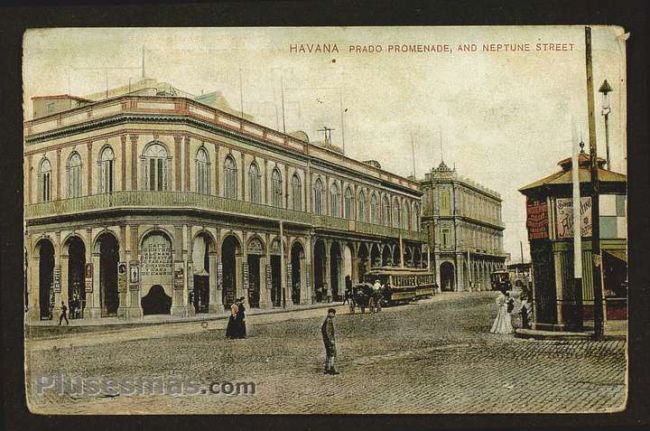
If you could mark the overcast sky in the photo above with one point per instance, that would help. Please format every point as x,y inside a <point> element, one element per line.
<point>505,118</point>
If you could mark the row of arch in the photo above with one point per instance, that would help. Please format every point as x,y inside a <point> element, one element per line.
<point>216,268</point>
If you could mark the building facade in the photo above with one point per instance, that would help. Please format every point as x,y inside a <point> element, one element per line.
<point>153,204</point>
<point>462,220</point>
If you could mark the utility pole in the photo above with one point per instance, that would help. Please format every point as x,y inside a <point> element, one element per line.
<point>413,154</point>
<point>143,74</point>
<point>342,121</point>
<point>577,237</point>
<point>599,327</point>
<point>284,125</point>
<point>241,95</point>
<point>521,249</point>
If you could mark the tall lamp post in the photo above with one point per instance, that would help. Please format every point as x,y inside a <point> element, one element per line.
<point>605,89</point>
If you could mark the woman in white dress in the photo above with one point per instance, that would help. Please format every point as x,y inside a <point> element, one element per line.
<point>503,322</point>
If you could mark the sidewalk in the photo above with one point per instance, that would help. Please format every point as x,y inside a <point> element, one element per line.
<point>44,329</point>
<point>64,336</point>
<point>614,329</point>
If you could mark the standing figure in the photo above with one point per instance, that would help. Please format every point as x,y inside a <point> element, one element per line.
<point>525,314</point>
<point>329,339</point>
<point>348,289</point>
<point>64,314</point>
<point>503,322</point>
<point>241,319</point>
<point>231,329</point>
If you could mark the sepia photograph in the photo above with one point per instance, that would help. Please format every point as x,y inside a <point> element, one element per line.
<point>325,220</point>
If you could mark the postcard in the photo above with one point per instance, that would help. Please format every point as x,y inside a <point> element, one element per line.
<point>325,220</point>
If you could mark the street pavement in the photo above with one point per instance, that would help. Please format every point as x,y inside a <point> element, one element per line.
<point>436,356</point>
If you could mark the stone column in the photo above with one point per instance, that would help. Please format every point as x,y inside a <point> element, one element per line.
<point>178,291</point>
<point>216,304</point>
<point>122,293</point>
<point>560,263</point>
<point>308,292</point>
<point>239,275</point>
<point>33,288</point>
<point>327,270</point>
<point>265,281</point>
<point>93,302</point>
<point>64,261</point>
<point>134,162</point>
<point>135,308</point>
<point>305,298</point>
<point>340,272</point>
<point>56,276</point>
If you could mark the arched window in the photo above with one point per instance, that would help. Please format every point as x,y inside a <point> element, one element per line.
<point>396,213</point>
<point>347,204</point>
<point>385,211</point>
<point>374,209</point>
<point>45,181</point>
<point>106,164</point>
<point>202,164</point>
<point>254,184</point>
<point>335,200</point>
<point>296,192</point>
<point>230,178</point>
<point>416,218</point>
<point>74,175</point>
<point>276,188</point>
<point>318,197</point>
<point>155,160</point>
<point>362,207</point>
<point>406,216</point>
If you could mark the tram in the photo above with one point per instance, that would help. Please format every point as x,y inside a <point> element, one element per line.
<point>402,285</point>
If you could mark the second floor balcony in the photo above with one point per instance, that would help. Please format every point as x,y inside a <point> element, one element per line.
<point>159,201</point>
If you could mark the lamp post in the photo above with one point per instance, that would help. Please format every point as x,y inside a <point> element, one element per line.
<point>605,89</point>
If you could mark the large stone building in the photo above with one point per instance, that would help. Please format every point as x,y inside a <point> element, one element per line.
<point>464,227</point>
<point>148,201</point>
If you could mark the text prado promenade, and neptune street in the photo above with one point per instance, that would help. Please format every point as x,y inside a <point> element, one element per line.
<point>420,48</point>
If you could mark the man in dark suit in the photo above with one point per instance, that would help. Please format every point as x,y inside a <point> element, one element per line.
<point>327,329</point>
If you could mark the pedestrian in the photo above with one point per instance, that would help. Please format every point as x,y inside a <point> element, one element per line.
<point>371,302</point>
<point>231,329</point>
<point>348,289</point>
<point>329,339</point>
<point>64,314</point>
<point>503,322</point>
<point>378,298</point>
<point>525,314</point>
<point>351,301</point>
<point>241,318</point>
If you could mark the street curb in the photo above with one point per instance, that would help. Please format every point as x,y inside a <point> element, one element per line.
<point>563,335</point>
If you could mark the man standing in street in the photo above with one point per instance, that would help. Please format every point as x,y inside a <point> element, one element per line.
<point>64,314</point>
<point>327,329</point>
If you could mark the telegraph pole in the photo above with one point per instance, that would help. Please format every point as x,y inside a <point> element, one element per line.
<point>599,327</point>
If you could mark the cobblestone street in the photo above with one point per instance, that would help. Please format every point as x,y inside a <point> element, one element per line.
<point>436,356</point>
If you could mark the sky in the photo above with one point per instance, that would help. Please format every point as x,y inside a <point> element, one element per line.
<point>503,111</point>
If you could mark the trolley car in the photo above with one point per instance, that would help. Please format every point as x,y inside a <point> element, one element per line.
<point>402,285</point>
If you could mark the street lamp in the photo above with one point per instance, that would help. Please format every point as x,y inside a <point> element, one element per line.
<point>605,89</point>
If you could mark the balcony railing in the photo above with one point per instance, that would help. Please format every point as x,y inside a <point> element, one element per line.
<point>209,203</point>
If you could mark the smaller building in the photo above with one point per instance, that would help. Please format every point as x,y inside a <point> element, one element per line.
<point>549,209</point>
<point>465,231</point>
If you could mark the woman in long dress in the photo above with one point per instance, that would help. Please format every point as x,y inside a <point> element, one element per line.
<point>503,322</point>
<point>231,329</point>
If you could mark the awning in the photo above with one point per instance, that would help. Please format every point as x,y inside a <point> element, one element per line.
<point>617,254</point>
